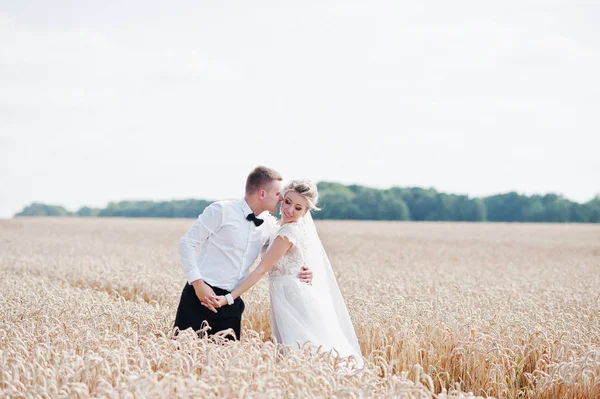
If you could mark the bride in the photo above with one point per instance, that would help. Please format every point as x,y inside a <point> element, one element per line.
<point>301,314</point>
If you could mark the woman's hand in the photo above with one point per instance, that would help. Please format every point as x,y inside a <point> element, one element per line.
<point>222,300</point>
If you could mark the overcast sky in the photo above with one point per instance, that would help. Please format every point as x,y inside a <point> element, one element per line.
<point>108,100</point>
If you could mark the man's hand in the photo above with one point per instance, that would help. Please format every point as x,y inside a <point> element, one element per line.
<point>306,275</point>
<point>206,295</point>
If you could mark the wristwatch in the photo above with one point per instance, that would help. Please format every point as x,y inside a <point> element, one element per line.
<point>229,299</point>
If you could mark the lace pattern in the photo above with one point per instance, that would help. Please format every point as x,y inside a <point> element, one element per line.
<point>292,261</point>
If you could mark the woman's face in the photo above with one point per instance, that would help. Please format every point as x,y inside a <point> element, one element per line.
<point>293,207</point>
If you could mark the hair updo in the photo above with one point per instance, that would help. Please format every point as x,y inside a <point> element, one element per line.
<point>305,188</point>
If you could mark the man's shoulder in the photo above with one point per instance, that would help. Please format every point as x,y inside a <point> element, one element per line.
<point>222,206</point>
<point>228,203</point>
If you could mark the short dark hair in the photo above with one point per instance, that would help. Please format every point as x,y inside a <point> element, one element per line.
<point>260,177</point>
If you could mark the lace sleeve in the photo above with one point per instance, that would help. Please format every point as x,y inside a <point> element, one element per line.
<point>288,231</point>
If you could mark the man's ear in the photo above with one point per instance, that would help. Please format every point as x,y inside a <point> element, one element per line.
<point>261,193</point>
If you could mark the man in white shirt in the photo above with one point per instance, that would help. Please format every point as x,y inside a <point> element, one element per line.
<point>229,236</point>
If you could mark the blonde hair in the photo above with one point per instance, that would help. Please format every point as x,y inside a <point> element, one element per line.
<point>305,188</point>
<point>260,177</point>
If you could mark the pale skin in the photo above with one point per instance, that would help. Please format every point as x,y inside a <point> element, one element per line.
<point>293,207</point>
<point>264,199</point>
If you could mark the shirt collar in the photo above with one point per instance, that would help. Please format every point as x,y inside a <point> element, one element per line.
<point>245,207</point>
<point>247,210</point>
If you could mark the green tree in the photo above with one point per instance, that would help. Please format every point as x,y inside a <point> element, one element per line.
<point>39,209</point>
<point>87,212</point>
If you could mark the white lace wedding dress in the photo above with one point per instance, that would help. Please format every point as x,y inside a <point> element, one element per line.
<point>302,313</point>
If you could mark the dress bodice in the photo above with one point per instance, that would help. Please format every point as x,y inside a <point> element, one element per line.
<point>294,258</point>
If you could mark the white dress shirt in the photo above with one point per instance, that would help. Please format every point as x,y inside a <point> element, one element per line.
<point>226,242</point>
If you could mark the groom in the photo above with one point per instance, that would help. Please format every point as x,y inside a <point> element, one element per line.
<point>229,236</point>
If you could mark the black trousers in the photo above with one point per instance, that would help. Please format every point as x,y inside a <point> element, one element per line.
<point>191,313</point>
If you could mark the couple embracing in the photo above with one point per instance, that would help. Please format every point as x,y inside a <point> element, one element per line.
<point>307,308</point>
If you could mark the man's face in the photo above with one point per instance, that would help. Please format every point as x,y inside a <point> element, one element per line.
<point>272,196</point>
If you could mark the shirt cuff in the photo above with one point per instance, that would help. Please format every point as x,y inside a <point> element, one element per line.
<point>194,275</point>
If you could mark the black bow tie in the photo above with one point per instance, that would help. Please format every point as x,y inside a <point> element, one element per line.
<point>256,220</point>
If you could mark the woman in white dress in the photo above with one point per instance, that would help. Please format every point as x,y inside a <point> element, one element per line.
<point>303,315</point>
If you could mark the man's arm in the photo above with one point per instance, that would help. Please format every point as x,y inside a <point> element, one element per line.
<point>206,225</point>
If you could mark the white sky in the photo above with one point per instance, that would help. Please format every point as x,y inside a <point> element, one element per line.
<point>102,101</point>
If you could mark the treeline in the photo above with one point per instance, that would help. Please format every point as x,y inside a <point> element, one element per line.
<point>356,202</point>
<point>135,209</point>
<point>414,203</point>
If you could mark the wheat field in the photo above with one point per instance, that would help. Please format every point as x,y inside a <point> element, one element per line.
<point>440,309</point>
